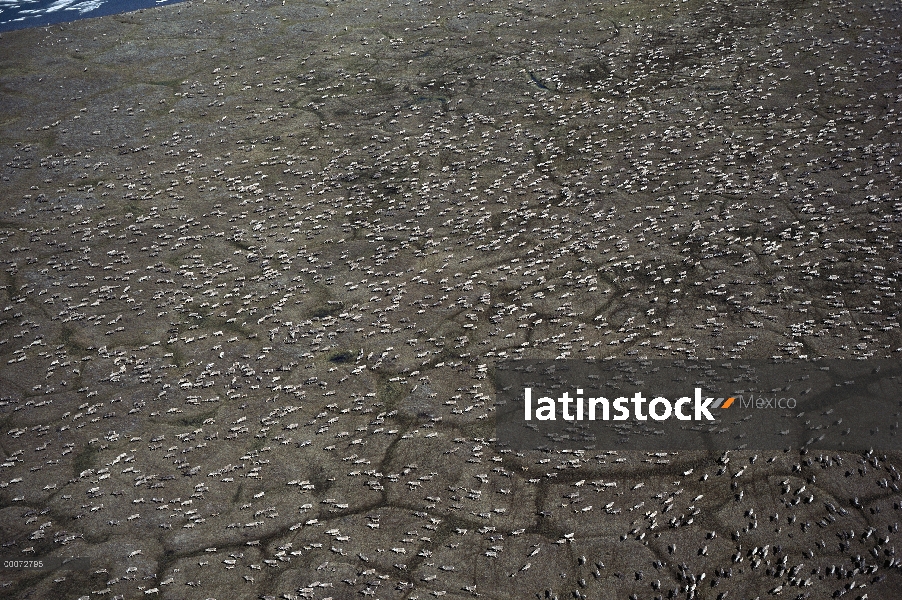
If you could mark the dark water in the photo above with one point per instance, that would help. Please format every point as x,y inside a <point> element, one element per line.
<point>19,14</point>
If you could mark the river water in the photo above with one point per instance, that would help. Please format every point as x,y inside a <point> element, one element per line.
<point>20,14</point>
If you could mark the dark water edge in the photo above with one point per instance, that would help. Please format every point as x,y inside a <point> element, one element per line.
<point>40,13</point>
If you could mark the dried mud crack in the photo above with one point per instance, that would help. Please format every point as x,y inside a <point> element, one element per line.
<point>258,260</point>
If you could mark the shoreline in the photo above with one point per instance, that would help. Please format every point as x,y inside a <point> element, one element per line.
<point>58,15</point>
